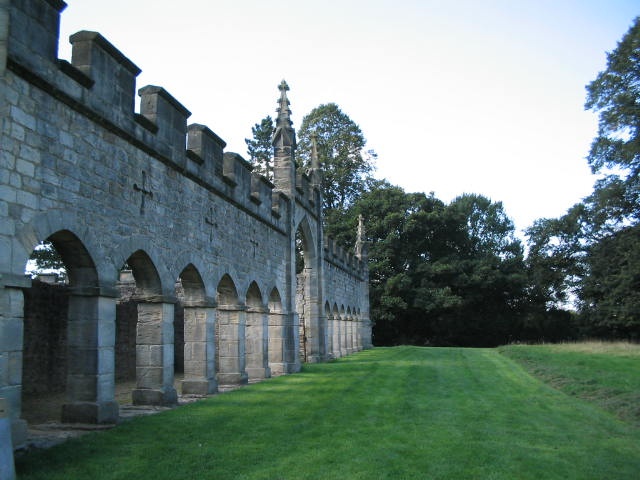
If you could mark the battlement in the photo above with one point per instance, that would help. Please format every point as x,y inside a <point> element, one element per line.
<point>100,82</point>
<point>340,257</point>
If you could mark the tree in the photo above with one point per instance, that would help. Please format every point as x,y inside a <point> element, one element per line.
<point>259,148</point>
<point>485,270</point>
<point>611,292</point>
<point>441,274</point>
<point>588,255</point>
<point>346,165</point>
<point>46,259</point>
<point>615,152</point>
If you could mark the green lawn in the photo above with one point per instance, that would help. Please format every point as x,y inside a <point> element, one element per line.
<point>607,373</point>
<point>387,413</point>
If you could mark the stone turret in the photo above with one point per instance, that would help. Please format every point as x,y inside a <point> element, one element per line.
<point>284,146</point>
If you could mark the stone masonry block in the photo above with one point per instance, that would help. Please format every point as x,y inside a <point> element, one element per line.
<point>148,333</point>
<point>14,368</point>
<point>82,333</point>
<point>4,369</point>
<point>194,369</point>
<point>106,361</point>
<point>82,387</point>
<point>82,361</point>
<point>148,377</point>
<point>11,334</point>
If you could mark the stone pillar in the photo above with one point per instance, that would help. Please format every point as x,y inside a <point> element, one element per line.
<point>154,355</point>
<point>11,344</point>
<point>349,336</point>
<point>330,327</point>
<point>257,344</point>
<point>358,334</point>
<point>91,332</point>
<point>315,330</point>
<point>230,328</point>
<point>336,337</point>
<point>277,343</point>
<point>292,345</point>
<point>199,351</point>
<point>367,340</point>
<point>343,337</point>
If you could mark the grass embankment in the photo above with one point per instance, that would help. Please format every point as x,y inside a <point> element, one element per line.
<point>398,413</point>
<point>607,373</point>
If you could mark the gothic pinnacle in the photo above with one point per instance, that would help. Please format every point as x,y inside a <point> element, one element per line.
<point>315,161</point>
<point>284,112</point>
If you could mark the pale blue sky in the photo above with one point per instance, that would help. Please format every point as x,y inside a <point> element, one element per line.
<point>454,96</point>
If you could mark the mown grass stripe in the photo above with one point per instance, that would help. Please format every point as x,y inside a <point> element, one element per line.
<point>387,413</point>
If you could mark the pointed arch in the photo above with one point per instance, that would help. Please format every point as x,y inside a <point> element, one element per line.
<point>192,285</point>
<point>61,223</point>
<point>226,292</point>
<point>275,301</point>
<point>145,273</point>
<point>254,297</point>
<point>79,263</point>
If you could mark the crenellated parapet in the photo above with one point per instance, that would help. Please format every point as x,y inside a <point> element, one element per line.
<point>343,259</point>
<point>100,83</point>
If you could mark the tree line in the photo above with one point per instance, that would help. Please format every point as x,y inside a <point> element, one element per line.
<point>456,273</point>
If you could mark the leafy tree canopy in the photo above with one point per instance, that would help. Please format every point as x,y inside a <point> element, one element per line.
<point>440,274</point>
<point>615,152</point>
<point>588,255</point>
<point>346,164</point>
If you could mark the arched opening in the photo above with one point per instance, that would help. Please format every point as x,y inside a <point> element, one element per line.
<point>256,335</point>
<point>302,293</point>
<point>230,336</point>
<point>144,354</point>
<point>67,368</point>
<point>311,331</point>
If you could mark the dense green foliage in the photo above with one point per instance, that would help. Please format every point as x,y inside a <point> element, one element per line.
<point>439,274</point>
<point>602,372</point>
<point>346,164</point>
<point>259,147</point>
<point>387,413</point>
<point>591,253</point>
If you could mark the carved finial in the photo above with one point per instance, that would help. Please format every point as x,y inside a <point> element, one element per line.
<point>284,112</point>
<point>315,161</point>
<point>360,239</point>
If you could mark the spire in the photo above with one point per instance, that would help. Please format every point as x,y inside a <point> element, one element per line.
<point>284,112</point>
<point>315,161</point>
<point>284,146</point>
<point>284,135</point>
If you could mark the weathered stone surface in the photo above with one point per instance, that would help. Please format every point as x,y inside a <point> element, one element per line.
<point>110,187</point>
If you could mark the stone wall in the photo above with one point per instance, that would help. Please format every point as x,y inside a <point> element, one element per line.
<point>111,187</point>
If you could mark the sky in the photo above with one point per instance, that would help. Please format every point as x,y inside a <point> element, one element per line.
<point>455,96</point>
